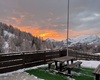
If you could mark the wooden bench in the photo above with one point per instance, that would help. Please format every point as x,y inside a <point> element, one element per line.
<point>97,73</point>
<point>49,64</point>
<point>72,66</point>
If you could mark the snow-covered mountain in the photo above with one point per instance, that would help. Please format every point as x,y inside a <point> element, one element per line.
<point>6,33</point>
<point>50,40</point>
<point>57,44</point>
<point>83,39</point>
<point>87,39</point>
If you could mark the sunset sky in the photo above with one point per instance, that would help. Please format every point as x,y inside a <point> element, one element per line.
<point>48,18</point>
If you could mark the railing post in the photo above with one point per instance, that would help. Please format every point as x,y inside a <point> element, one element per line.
<point>76,55</point>
<point>23,55</point>
<point>59,53</point>
<point>44,57</point>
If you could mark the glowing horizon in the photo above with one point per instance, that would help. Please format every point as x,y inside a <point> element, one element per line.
<point>45,34</point>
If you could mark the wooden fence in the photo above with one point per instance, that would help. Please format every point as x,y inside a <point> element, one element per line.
<point>83,55</point>
<point>15,61</point>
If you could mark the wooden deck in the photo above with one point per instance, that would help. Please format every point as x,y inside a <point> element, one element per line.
<point>18,60</point>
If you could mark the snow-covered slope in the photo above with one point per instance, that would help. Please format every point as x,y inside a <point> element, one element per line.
<point>89,39</point>
<point>6,42</point>
<point>6,33</point>
<point>50,40</point>
<point>83,39</point>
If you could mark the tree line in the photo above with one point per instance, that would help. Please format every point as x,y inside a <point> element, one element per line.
<point>14,40</point>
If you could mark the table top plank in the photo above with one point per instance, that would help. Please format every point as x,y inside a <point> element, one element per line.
<point>63,59</point>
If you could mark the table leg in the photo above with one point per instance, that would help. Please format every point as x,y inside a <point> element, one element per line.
<point>71,61</point>
<point>56,65</point>
<point>49,66</point>
<point>69,71</point>
<point>67,62</point>
<point>97,77</point>
<point>61,66</point>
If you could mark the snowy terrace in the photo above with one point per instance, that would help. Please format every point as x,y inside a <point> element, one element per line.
<point>22,62</point>
<point>22,75</point>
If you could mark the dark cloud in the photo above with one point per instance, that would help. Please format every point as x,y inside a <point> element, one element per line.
<point>51,14</point>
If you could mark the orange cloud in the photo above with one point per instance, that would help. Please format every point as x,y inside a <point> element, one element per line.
<point>50,19</point>
<point>43,33</point>
<point>18,20</point>
<point>58,18</point>
<point>52,33</point>
<point>73,33</point>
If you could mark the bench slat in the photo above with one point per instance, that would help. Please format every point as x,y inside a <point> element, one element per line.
<point>74,64</point>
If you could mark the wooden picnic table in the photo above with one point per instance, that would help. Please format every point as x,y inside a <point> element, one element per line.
<point>62,60</point>
<point>97,72</point>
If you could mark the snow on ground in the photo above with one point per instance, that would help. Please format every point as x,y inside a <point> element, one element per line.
<point>21,75</point>
<point>22,70</point>
<point>96,53</point>
<point>18,76</point>
<point>90,64</point>
<point>5,46</point>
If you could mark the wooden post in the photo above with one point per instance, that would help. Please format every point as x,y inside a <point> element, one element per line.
<point>56,65</point>
<point>69,71</point>
<point>76,55</point>
<point>72,61</point>
<point>97,77</point>
<point>44,57</point>
<point>49,66</point>
<point>61,66</point>
<point>23,59</point>
<point>67,62</point>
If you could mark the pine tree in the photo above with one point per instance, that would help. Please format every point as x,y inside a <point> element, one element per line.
<point>1,44</point>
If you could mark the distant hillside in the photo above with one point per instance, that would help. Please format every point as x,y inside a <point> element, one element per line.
<point>84,39</point>
<point>87,43</point>
<point>14,40</point>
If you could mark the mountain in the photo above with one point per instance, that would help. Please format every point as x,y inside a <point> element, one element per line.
<point>50,40</point>
<point>88,39</point>
<point>83,39</point>
<point>87,43</point>
<point>56,44</point>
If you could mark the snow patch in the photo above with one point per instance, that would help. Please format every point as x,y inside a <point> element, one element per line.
<point>22,70</point>
<point>96,53</point>
<point>8,33</point>
<point>51,40</point>
<point>6,45</point>
<point>90,64</point>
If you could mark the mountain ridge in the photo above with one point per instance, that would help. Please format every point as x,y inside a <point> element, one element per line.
<point>83,39</point>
